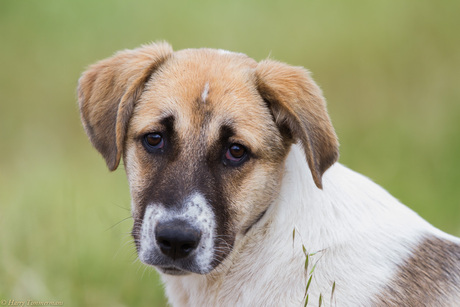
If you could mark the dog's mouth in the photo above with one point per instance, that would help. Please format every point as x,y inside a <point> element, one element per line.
<point>172,271</point>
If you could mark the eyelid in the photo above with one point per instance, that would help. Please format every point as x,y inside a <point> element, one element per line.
<point>144,132</point>
<point>164,126</point>
<point>238,141</point>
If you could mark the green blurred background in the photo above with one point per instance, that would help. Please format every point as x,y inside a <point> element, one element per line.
<point>390,71</point>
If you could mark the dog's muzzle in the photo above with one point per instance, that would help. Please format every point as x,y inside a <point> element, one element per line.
<point>178,241</point>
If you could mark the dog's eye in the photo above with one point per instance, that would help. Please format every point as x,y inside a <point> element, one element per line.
<point>153,141</point>
<point>236,154</point>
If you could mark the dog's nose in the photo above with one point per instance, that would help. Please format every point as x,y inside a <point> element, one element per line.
<point>177,239</point>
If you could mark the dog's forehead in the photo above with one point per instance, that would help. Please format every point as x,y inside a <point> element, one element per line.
<point>198,86</point>
<point>203,78</point>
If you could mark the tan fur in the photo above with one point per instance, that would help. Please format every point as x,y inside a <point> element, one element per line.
<point>108,90</point>
<point>429,278</point>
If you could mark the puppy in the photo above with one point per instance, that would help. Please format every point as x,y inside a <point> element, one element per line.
<point>237,198</point>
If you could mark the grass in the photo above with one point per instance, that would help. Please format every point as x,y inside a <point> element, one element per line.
<point>389,71</point>
<point>309,270</point>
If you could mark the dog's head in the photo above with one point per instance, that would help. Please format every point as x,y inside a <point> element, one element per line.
<point>204,135</point>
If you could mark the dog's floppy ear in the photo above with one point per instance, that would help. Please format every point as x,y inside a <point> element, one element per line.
<point>107,92</point>
<point>297,103</point>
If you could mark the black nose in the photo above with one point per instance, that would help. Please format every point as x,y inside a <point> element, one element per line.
<point>177,238</point>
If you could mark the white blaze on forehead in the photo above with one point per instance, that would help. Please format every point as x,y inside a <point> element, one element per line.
<point>222,51</point>
<point>205,93</point>
<point>196,211</point>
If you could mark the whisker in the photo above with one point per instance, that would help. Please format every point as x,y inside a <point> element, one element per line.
<point>118,223</point>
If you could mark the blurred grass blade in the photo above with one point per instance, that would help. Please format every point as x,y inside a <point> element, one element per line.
<point>308,284</point>
<point>332,292</point>
<point>313,269</point>
<point>293,237</point>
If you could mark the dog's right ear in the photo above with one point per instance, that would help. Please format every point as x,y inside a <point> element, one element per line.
<point>107,92</point>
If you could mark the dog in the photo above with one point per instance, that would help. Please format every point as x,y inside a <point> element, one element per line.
<point>237,195</point>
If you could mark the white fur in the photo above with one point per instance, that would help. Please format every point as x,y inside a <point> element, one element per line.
<point>361,234</point>
<point>205,93</point>
<point>153,214</point>
<point>222,51</point>
<point>196,211</point>
<point>227,52</point>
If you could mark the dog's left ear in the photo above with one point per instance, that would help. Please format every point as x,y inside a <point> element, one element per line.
<point>298,104</point>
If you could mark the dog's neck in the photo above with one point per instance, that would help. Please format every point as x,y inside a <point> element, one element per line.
<point>337,223</point>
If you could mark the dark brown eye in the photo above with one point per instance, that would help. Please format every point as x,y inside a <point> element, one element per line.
<point>153,141</point>
<point>236,154</point>
<point>236,151</point>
